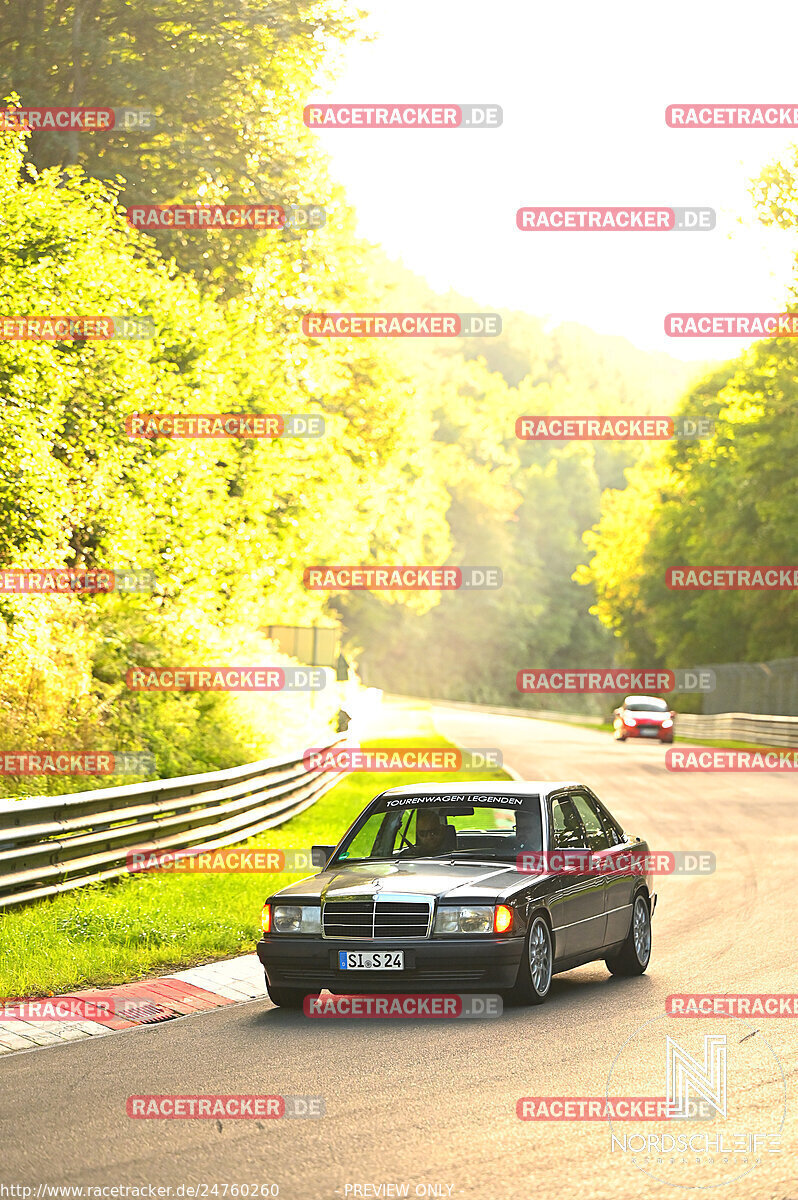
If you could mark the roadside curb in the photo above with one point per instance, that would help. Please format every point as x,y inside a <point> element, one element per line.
<point>197,989</point>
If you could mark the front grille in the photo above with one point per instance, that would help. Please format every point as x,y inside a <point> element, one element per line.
<point>401,920</point>
<point>349,918</point>
<point>376,918</point>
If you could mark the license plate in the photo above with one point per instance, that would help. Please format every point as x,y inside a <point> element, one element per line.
<point>371,960</point>
<point>649,732</point>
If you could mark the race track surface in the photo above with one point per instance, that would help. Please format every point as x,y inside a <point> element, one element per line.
<point>432,1104</point>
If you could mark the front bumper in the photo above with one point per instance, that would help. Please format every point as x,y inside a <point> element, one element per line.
<point>431,964</point>
<point>661,735</point>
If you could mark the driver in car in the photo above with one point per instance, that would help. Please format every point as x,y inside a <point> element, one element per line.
<point>432,833</point>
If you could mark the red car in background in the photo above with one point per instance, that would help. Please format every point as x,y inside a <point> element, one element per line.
<point>643,717</point>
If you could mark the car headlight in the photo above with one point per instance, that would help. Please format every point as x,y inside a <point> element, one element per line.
<point>666,724</point>
<point>296,918</point>
<point>627,720</point>
<point>468,919</point>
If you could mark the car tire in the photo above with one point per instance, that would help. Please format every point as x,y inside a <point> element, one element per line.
<point>287,997</point>
<point>635,953</point>
<point>536,968</point>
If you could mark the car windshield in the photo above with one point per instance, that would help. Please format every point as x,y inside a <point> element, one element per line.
<point>455,826</point>
<point>646,706</point>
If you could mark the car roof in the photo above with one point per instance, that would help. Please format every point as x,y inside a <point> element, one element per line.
<point>659,699</point>
<point>489,788</point>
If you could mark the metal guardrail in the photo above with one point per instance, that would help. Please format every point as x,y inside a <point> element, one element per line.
<point>739,727</point>
<point>53,844</point>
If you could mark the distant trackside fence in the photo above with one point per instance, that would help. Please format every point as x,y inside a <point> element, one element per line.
<point>757,729</point>
<point>53,844</point>
<point>760,730</point>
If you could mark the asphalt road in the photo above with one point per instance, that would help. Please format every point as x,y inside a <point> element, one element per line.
<point>432,1105</point>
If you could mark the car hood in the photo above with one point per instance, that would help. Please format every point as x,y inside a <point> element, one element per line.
<point>647,715</point>
<point>424,877</point>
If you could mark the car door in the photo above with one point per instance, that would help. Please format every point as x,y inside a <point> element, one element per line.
<point>602,838</point>
<point>621,881</point>
<point>579,912</point>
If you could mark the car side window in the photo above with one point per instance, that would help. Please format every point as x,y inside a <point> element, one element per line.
<point>566,827</point>
<point>595,832</point>
<point>611,827</point>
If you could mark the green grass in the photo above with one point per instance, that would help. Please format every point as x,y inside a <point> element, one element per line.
<point>148,924</point>
<point>604,727</point>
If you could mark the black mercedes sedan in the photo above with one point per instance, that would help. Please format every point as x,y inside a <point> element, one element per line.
<point>466,887</point>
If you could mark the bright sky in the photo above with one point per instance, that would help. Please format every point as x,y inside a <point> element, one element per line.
<point>584,87</point>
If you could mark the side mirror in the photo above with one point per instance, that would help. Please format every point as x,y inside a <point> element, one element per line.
<point>321,855</point>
